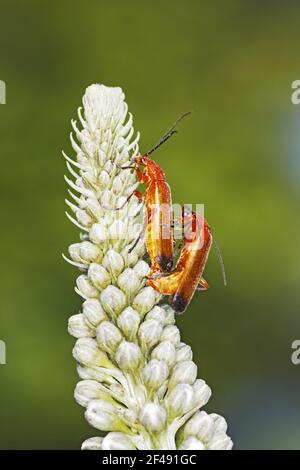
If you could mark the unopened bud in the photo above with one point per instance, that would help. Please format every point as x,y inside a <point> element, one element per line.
<point>220,424</point>
<point>145,300</point>
<point>102,415</point>
<point>117,184</point>
<point>202,392</point>
<point>184,372</point>
<point>89,252</point>
<point>184,353</point>
<point>181,399</point>
<point>171,333</point>
<point>93,443</point>
<point>98,276</point>
<point>74,251</point>
<point>84,218</point>
<point>149,333</point>
<point>154,374</point>
<point>158,314</point>
<point>98,233</point>
<point>170,315</point>
<point>128,356</point>
<point>130,257</point>
<point>192,443</point>
<point>128,281</point>
<point>78,328</point>
<point>118,230</point>
<point>108,336</point>
<point>92,373</point>
<point>86,352</point>
<point>128,322</point>
<point>88,390</point>
<point>165,351</point>
<point>153,417</point>
<point>104,179</point>
<point>113,300</point>
<point>93,312</point>
<point>117,441</point>
<point>85,288</point>
<point>113,262</point>
<point>142,269</point>
<point>220,441</point>
<point>200,425</point>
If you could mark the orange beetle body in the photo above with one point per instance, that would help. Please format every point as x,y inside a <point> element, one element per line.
<point>182,283</point>
<point>158,220</point>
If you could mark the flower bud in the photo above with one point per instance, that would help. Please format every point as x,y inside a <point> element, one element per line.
<point>184,372</point>
<point>154,374</point>
<point>92,373</point>
<point>220,441</point>
<point>202,392</point>
<point>113,262</point>
<point>74,251</point>
<point>158,314</point>
<point>93,443</point>
<point>104,179</point>
<point>165,351</point>
<point>98,233</point>
<point>128,322</point>
<point>85,288</point>
<point>93,312</point>
<point>192,443</point>
<point>220,424</point>
<point>94,208</point>
<point>89,252</point>
<point>153,417</point>
<point>103,416</point>
<point>88,390</point>
<point>108,336</point>
<point>118,230</point>
<point>171,333</point>
<point>142,269</point>
<point>98,276</point>
<point>105,198</point>
<point>83,218</point>
<point>181,399</point>
<point>128,356</point>
<point>170,315</point>
<point>117,441</point>
<point>149,333</point>
<point>130,257</point>
<point>117,185</point>
<point>184,353</point>
<point>113,300</point>
<point>109,165</point>
<point>201,425</point>
<point>128,281</point>
<point>78,328</point>
<point>145,300</point>
<point>86,352</point>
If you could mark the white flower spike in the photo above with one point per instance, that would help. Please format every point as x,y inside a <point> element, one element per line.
<point>138,382</point>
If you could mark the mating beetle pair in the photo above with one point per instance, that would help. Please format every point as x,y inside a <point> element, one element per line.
<point>182,281</point>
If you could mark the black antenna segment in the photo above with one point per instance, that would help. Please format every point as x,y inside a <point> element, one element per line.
<point>168,134</point>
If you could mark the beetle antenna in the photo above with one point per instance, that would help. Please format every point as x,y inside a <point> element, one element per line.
<point>169,133</point>
<point>221,262</point>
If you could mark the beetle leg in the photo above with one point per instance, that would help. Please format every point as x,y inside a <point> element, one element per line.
<point>203,285</point>
<point>165,284</point>
<point>141,234</point>
<point>137,194</point>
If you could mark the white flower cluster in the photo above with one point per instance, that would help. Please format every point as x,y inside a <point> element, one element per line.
<point>139,382</point>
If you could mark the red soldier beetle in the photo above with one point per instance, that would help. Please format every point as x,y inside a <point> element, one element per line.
<point>158,223</point>
<point>186,278</point>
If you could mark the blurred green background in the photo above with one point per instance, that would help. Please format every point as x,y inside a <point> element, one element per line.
<point>232,63</point>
